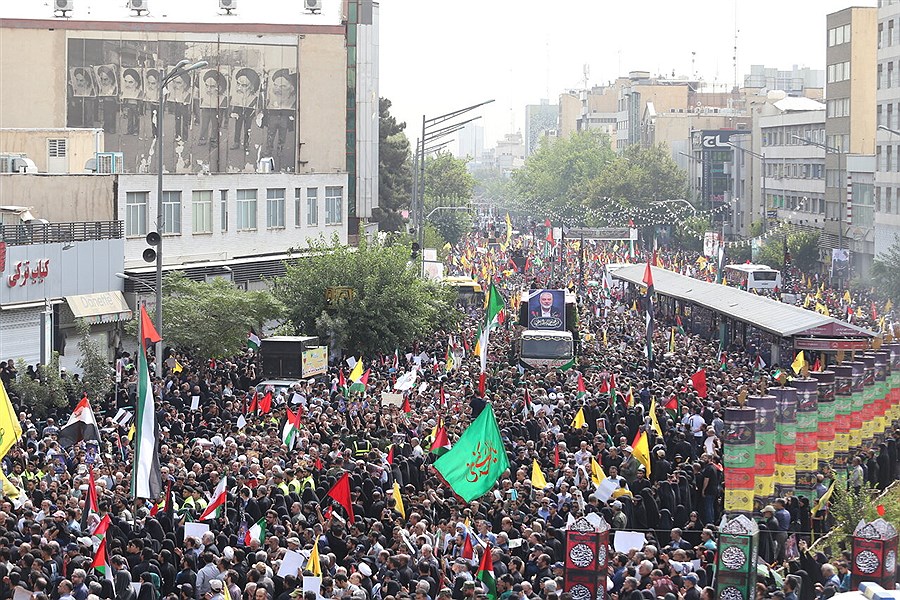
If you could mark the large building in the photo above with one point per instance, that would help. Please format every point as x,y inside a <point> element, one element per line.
<point>798,81</point>
<point>887,113</point>
<point>850,87</point>
<point>540,120</point>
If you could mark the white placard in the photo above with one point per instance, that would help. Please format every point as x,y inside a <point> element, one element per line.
<point>624,541</point>
<point>21,594</point>
<point>312,584</point>
<point>195,530</point>
<point>195,402</point>
<point>391,399</point>
<point>290,564</point>
<point>515,543</point>
<point>351,361</point>
<point>136,586</point>
<point>241,422</point>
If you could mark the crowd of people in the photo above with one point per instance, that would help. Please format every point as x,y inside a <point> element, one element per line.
<point>427,546</point>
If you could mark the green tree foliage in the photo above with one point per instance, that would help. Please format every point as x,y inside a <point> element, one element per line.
<point>556,180</point>
<point>96,377</point>
<point>394,170</point>
<point>391,307</point>
<point>213,318</point>
<point>635,182</point>
<point>886,272</point>
<point>802,245</point>
<point>43,394</point>
<point>449,183</point>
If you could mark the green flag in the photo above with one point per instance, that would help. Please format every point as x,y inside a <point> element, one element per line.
<point>477,460</point>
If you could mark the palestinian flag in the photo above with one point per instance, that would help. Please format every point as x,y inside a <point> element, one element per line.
<point>360,384</point>
<point>485,573</point>
<point>253,341</point>
<point>257,532</point>
<point>291,428</point>
<point>759,364</point>
<point>146,476</point>
<point>82,426</point>
<point>216,502</point>
<point>441,442</point>
<point>582,388</point>
<point>648,277</point>
<point>678,326</point>
<point>100,563</point>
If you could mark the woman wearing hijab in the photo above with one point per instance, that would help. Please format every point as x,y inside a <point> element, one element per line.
<point>123,585</point>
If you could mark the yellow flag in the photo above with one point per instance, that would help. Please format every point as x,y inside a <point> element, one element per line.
<point>177,368</point>
<point>398,500</point>
<point>604,338</point>
<point>847,297</point>
<point>578,422</point>
<point>823,501</point>
<point>9,490</point>
<point>225,593</point>
<point>597,474</point>
<point>131,432</point>
<point>654,421</point>
<point>357,371</point>
<point>642,451</point>
<point>538,480</point>
<point>314,565</point>
<point>806,301</point>
<point>10,430</point>
<point>888,305</point>
<point>798,363</point>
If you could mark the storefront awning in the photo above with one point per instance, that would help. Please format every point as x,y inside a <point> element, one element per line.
<point>104,307</point>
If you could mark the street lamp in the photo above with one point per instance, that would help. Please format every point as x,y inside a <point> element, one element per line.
<point>889,130</point>
<point>179,69</point>
<point>149,287</point>
<point>762,160</point>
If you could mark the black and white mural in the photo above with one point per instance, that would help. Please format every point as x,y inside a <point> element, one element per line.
<point>225,117</point>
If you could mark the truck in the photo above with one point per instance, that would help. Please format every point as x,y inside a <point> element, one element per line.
<point>292,357</point>
<point>547,348</point>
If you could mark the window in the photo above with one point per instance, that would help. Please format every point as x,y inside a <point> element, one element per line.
<point>202,209</point>
<point>890,74</point>
<point>839,72</point>
<point>275,208</point>
<point>298,201</point>
<point>312,206</point>
<point>136,213</point>
<point>56,148</point>
<point>839,35</point>
<point>171,202</point>
<point>334,199</point>
<point>246,210</point>
<point>223,210</point>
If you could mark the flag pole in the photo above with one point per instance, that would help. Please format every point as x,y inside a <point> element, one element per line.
<point>140,308</point>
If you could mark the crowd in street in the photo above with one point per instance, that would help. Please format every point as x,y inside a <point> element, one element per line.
<point>427,546</point>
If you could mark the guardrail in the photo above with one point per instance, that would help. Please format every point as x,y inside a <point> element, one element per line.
<point>23,234</point>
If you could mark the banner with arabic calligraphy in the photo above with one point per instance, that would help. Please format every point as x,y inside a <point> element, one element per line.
<point>477,460</point>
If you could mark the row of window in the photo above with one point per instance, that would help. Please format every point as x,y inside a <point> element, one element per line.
<point>807,203</point>
<point>839,72</point>
<point>887,159</point>
<point>887,116</point>
<point>839,107</point>
<point>885,76</point>
<point>839,35</point>
<point>887,36</point>
<point>838,141</point>
<point>306,204</point>
<point>795,170</point>
<point>887,200</point>
<point>793,136</point>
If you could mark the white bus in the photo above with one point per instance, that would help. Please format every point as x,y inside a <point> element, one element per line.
<point>754,277</point>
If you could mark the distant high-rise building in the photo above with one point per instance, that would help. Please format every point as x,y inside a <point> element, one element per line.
<point>539,119</point>
<point>470,142</point>
<point>887,115</point>
<point>797,81</point>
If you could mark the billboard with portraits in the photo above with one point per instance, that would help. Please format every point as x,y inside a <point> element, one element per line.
<point>223,118</point>
<point>547,309</point>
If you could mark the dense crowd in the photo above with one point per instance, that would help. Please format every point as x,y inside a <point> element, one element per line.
<point>430,547</point>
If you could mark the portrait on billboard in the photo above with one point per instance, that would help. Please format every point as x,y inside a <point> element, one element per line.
<point>223,118</point>
<point>840,263</point>
<point>547,309</point>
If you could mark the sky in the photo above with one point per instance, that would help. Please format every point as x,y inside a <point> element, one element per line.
<point>440,55</point>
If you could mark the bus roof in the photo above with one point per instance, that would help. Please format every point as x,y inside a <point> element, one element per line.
<point>462,281</point>
<point>749,268</point>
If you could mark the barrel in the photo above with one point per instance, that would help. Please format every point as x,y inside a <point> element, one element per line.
<point>869,391</point>
<point>785,439</point>
<point>882,392</point>
<point>857,406</point>
<point>843,400</point>
<point>807,440</point>
<point>894,401</point>
<point>739,459</point>
<point>766,414</point>
<point>826,415</point>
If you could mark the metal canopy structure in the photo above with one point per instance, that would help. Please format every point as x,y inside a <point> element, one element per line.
<point>768,315</point>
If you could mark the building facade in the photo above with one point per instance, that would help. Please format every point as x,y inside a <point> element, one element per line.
<point>540,119</point>
<point>887,113</point>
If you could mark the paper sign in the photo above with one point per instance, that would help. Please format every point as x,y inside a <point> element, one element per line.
<point>21,594</point>
<point>423,387</point>
<point>625,541</point>
<point>290,564</point>
<point>195,530</point>
<point>351,362</point>
<point>391,399</point>
<point>195,402</point>
<point>241,422</point>
<point>136,586</point>
<point>515,543</point>
<point>312,584</point>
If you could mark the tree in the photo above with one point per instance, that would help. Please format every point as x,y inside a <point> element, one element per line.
<point>886,272</point>
<point>449,184</point>
<point>803,247</point>
<point>555,180</point>
<point>213,318</point>
<point>635,184</point>
<point>394,170</point>
<point>45,392</point>
<point>96,374</point>
<point>390,305</point>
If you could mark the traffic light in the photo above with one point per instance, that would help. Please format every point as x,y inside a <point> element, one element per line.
<point>415,251</point>
<point>149,254</point>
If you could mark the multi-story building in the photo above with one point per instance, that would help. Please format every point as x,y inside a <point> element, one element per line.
<point>887,114</point>
<point>798,81</point>
<point>540,119</point>
<point>850,87</point>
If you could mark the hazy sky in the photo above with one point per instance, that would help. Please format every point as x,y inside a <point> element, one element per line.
<point>440,55</point>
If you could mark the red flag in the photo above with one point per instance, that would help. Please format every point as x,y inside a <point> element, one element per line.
<point>92,493</point>
<point>482,381</point>
<point>648,277</point>
<point>148,331</point>
<point>550,233</point>
<point>468,552</point>
<point>340,493</point>
<point>442,398</point>
<point>342,382</point>
<point>817,366</point>
<point>168,505</point>
<point>880,509</point>
<point>390,456</point>
<point>874,312</point>
<point>556,456</point>
<point>265,405</point>
<point>582,388</point>
<point>699,381</point>
<point>406,407</point>
<point>672,403</point>
<point>319,464</point>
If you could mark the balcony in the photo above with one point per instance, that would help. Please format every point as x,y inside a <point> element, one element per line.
<point>34,232</point>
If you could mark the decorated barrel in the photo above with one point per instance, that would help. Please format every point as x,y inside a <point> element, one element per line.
<point>736,559</point>
<point>807,439</point>
<point>857,406</point>
<point>874,554</point>
<point>785,439</point>
<point>739,459</point>
<point>764,488</point>
<point>826,414</point>
<point>882,391</point>
<point>843,401</point>
<point>894,404</point>
<point>868,409</point>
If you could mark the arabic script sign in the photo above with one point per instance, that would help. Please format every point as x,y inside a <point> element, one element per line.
<point>484,455</point>
<point>25,272</point>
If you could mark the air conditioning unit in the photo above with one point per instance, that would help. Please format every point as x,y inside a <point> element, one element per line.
<point>63,6</point>
<point>110,162</point>
<point>138,6</point>
<point>228,5</point>
<point>312,6</point>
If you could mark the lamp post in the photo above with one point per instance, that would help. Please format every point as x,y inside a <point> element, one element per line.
<point>762,160</point>
<point>179,69</point>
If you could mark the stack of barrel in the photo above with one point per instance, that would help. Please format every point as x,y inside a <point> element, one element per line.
<point>868,408</point>
<point>856,413</point>
<point>739,459</point>
<point>843,400</point>
<point>894,411</point>
<point>785,439</point>
<point>882,397</point>
<point>825,417</point>
<point>764,488</point>
<point>807,434</point>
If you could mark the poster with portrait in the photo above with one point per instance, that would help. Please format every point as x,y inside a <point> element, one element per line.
<point>840,263</point>
<point>223,118</point>
<point>547,309</point>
